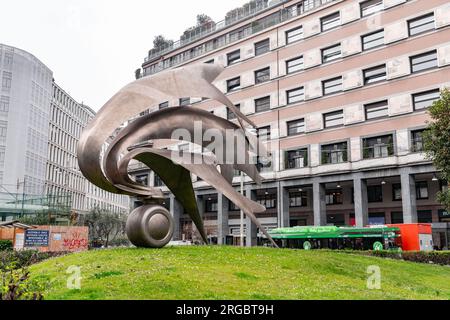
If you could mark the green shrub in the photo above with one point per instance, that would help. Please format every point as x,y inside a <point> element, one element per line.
<point>22,259</point>
<point>6,245</point>
<point>434,257</point>
<point>15,284</point>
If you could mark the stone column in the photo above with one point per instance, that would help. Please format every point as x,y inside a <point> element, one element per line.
<point>284,219</point>
<point>223,228</point>
<point>409,197</point>
<point>201,211</point>
<point>176,210</point>
<point>361,202</point>
<point>251,228</point>
<point>320,206</point>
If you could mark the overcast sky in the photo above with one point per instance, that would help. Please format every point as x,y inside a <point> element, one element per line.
<point>94,46</point>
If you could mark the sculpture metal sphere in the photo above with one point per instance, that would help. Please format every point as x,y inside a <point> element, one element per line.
<point>150,226</point>
<point>107,147</point>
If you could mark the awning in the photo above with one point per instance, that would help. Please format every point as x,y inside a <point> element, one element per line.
<point>15,224</point>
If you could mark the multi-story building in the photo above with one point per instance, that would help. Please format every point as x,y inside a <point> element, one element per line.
<point>343,89</point>
<point>40,125</point>
<point>68,119</point>
<point>25,93</point>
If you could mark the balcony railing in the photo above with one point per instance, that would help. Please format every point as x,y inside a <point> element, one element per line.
<point>209,28</point>
<point>297,162</point>
<point>378,151</point>
<point>417,145</point>
<point>334,156</point>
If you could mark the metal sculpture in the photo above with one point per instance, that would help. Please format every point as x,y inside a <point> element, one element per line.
<point>151,225</point>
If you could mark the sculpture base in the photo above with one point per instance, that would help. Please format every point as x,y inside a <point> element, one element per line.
<point>150,226</point>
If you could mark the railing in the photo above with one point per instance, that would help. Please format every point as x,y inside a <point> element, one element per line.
<point>417,145</point>
<point>297,162</point>
<point>334,156</point>
<point>210,28</point>
<point>378,151</point>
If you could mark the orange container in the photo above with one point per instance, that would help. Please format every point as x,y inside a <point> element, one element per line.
<point>416,237</point>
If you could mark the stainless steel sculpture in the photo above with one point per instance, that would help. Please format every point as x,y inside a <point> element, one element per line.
<point>151,225</point>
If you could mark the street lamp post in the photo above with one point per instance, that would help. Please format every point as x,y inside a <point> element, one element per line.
<point>242,212</point>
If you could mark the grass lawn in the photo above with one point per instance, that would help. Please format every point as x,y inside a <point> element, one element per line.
<point>234,273</point>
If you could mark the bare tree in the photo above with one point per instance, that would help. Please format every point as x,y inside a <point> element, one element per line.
<point>104,225</point>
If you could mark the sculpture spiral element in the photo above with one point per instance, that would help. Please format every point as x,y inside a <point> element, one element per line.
<point>151,225</point>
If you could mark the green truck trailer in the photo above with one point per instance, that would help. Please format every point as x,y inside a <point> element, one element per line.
<point>337,238</point>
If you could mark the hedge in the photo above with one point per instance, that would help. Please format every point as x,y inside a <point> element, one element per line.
<point>22,259</point>
<point>6,245</point>
<point>432,257</point>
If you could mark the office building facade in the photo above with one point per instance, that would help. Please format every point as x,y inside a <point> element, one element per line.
<point>40,125</point>
<point>67,121</point>
<point>25,94</point>
<point>343,88</point>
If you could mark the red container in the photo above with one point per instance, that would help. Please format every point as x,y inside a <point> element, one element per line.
<point>415,237</point>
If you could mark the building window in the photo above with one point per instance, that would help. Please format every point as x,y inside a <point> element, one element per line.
<point>370,7</point>
<point>3,129</point>
<point>377,110</point>
<point>444,216</point>
<point>331,53</point>
<point>142,179</point>
<point>332,86</point>
<point>397,192</point>
<point>4,104</point>
<point>185,102</point>
<point>298,199</point>
<point>295,95</point>
<point>262,104</point>
<point>333,119</point>
<point>377,218</point>
<point>417,143</point>
<point>331,21</point>
<point>233,84</point>
<point>422,24</point>
<point>262,75</point>
<point>426,99</point>
<point>334,197</point>
<point>297,159</point>
<point>375,74</point>
<point>378,147</point>
<point>335,153</point>
<point>264,164</point>
<point>6,80</point>
<point>444,185</point>
<point>373,40</point>
<point>164,105</point>
<point>264,133</point>
<point>231,114</point>
<point>294,35</point>
<point>375,194</point>
<point>397,217</point>
<point>425,216</point>
<point>422,190</point>
<point>234,57</point>
<point>268,200</point>
<point>294,65</point>
<point>158,181</point>
<point>262,47</point>
<point>296,127</point>
<point>211,205</point>
<point>424,61</point>
<point>233,207</point>
<point>209,61</point>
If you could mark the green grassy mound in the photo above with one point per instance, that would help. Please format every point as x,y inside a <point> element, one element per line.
<point>233,273</point>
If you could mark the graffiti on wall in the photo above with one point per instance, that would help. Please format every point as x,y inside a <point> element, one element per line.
<point>75,242</point>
